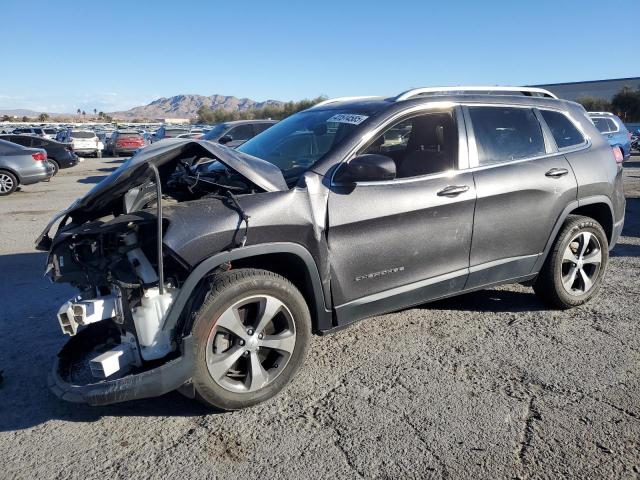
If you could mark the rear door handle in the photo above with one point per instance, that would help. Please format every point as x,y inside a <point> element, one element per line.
<point>557,172</point>
<point>453,190</point>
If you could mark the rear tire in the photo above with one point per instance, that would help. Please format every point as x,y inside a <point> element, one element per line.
<point>8,183</point>
<point>246,353</point>
<point>573,271</point>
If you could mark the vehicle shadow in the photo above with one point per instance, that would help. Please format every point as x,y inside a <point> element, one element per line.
<point>490,301</point>
<point>92,179</point>
<point>107,169</point>
<point>29,341</point>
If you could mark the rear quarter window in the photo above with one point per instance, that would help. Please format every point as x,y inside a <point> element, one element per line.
<point>563,130</point>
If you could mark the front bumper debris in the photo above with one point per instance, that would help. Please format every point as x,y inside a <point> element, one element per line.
<point>65,380</point>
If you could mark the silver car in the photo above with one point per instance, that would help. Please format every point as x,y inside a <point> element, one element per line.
<point>22,166</point>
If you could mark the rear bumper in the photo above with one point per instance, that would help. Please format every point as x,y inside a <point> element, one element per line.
<point>68,161</point>
<point>86,150</point>
<point>35,177</point>
<point>150,383</point>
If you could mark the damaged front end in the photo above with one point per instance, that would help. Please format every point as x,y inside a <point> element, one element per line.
<point>125,343</point>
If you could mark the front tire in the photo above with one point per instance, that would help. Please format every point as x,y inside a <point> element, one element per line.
<point>251,336</point>
<point>573,272</point>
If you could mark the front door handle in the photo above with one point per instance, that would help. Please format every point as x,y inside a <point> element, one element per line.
<point>453,190</point>
<point>557,172</point>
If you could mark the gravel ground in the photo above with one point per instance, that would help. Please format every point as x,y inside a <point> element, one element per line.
<point>487,385</point>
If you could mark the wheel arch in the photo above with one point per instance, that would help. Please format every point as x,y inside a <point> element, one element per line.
<point>12,172</point>
<point>290,260</point>
<point>598,207</point>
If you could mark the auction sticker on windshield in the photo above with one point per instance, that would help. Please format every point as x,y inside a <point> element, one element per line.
<point>351,118</point>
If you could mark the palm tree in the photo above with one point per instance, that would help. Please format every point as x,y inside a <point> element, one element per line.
<point>95,111</point>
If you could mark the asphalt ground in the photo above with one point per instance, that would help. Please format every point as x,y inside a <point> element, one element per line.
<point>491,384</point>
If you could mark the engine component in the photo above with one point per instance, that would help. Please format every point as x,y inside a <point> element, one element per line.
<point>138,259</point>
<point>79,311</point>
<point>154,342</point>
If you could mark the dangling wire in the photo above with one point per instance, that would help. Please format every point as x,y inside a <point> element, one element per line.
<point>243,215</point>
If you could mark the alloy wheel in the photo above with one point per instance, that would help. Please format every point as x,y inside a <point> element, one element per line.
<point>6,183</point>
<point>251,344</point>
<point>581,263</point>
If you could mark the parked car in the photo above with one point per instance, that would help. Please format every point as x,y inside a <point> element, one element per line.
<point>612,128</point>
<point>50,133</point>
<point>125,141</point>
<point>22,166</point>
<point>85,142</point>
<point>60,155</point>
<point>234,134</point>
<point>168,132</point>
<point>29,131</point>
<point>211,267</point>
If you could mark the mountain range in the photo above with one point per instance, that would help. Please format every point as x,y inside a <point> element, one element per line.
<point>178,106</point>
<point>187,105</point>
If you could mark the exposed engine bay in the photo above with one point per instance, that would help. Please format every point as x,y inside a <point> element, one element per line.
<point>109,245</point>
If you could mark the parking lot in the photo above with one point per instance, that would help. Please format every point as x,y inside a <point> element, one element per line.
<point>488,385</point>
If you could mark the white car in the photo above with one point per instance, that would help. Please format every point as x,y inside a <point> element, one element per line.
<point>85,142</point>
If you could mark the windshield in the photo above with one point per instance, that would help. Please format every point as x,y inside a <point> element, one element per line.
<point>82,135</point>
<point>215,132</point>
<point>297,142</point>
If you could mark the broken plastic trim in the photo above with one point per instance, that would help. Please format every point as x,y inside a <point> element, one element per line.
<point>150,383</point>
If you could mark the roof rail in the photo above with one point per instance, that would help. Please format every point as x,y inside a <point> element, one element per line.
<point>599,113</point>
<point>341,99</point>
<point>471,89</point>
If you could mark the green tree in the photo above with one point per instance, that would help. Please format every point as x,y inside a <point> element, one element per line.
<point>6,118</point>
<point>276,112</point>
<point>43,117</point>
<point>594,104</point>
<point>25,118</point>
<point>626,104</point>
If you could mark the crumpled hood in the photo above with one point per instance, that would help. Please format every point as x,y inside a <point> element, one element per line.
<point>161,154</point>
<point>264,174</point>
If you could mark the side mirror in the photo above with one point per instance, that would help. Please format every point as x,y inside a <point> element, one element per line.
<point>225,139</point>
<point>370,167</point>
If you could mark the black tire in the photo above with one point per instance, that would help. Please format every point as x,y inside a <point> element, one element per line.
<point>549,285</point>
<point>227,290</point>
<point>9,183</point>
<point>56,167</point>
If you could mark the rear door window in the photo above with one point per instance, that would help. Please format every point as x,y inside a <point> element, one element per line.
<point>504,134</point>
<point>563,130</point>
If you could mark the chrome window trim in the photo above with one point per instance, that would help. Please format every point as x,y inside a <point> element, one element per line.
<point>368,136</point>
<point>576,125</point>
<point>470,142</point>
<point>475,166</point>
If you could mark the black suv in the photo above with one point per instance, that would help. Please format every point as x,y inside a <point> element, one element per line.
<point>206,269</point>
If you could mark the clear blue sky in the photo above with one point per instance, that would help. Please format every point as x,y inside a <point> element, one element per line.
<point>61,55</point>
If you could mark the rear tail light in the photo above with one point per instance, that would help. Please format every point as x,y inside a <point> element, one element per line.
<point>39,156</point>
<point>617,153</point>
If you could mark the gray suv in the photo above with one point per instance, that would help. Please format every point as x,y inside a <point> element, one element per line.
<point>206,269</point>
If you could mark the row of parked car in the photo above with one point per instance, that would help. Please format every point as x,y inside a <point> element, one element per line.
<point>33,154</point>
<point>53,149</point>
